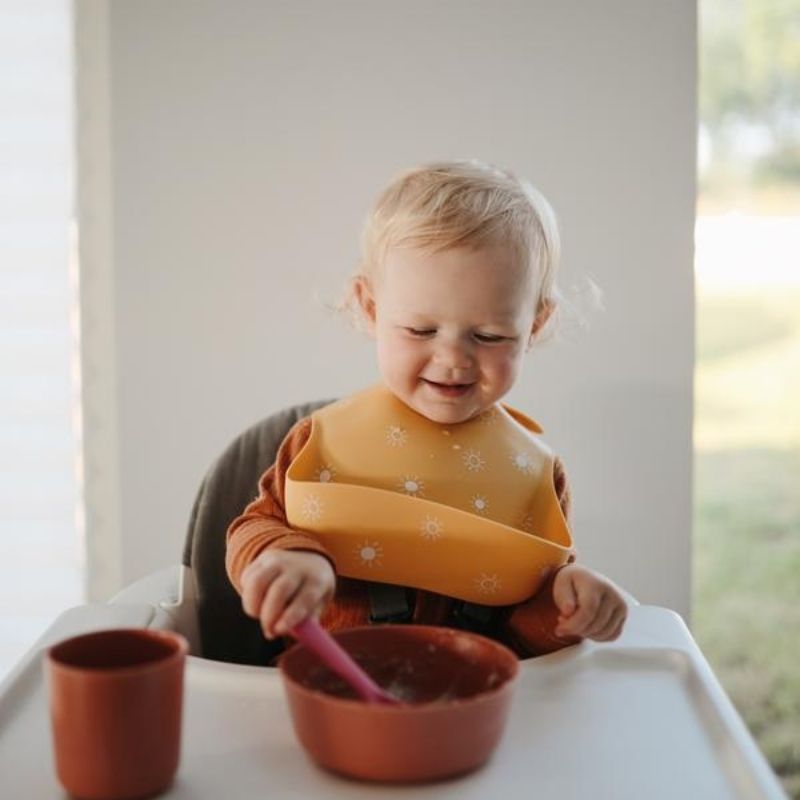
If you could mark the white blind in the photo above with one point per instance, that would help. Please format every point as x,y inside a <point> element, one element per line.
<point>41,562</point>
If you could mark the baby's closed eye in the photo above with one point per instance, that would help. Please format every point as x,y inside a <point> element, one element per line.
<point>420,333</point>
<point>491,338</point>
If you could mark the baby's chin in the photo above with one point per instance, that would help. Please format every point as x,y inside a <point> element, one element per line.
<point>446,414</point>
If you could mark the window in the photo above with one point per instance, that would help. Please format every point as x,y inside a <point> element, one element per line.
<point>747,415</point>
<point>41,561</point>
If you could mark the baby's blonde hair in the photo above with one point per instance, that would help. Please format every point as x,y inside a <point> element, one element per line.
<point>471,204</point>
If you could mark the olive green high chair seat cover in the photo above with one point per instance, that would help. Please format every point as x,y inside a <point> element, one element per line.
<point>226,632</point>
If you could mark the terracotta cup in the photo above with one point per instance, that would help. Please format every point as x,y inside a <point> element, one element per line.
<point>455,687</point>
<point>115,706</point>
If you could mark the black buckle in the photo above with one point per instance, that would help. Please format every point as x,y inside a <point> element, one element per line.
<point>473,617</point>
<point>388,603</point>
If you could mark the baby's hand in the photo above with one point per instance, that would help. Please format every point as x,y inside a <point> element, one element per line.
<point>590,605</point>
<point>283,587</point>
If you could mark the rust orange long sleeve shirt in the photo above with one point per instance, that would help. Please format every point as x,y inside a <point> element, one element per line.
<point>528,628</point>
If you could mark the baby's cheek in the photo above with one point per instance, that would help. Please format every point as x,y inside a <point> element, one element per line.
<point>505,369</point>
<point>399,364</point>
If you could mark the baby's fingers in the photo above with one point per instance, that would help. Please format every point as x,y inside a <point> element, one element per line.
<point>279,595</point>
<point>605,610</point>
<point>307,601</point>
<point>565,593</point>
<point>613,628</point>
<point>581,620</point>
<point>255,582</point>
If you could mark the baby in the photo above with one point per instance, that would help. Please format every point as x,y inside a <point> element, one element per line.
<point>425,499</point>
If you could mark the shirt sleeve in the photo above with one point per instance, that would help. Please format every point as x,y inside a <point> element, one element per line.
<point>530,628</point>
<point>263,523</point>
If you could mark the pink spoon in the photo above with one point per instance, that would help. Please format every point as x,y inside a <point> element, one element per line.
<point>317,639</point>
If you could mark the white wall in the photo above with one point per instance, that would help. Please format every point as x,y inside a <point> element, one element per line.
<point>248,140</point>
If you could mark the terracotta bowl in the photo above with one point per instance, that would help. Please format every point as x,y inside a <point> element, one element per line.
<point>456,689</point>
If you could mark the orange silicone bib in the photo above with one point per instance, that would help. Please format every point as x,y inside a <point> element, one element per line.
<point>465,510</point>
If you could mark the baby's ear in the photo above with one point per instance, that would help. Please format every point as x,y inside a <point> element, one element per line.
<point>546,309</point>
<point>365,299</point>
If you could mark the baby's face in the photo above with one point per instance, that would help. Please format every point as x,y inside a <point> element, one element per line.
<point>451,328</point>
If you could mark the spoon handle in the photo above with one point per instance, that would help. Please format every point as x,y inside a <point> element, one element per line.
<point>310,633</point>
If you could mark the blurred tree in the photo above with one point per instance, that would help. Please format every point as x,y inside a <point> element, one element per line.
<point>750,83</point>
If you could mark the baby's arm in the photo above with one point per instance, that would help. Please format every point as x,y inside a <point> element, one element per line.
<point>282,574</point>
<point>590,606</point>
<point>562,613</point>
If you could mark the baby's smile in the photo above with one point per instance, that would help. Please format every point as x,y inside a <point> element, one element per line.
<point>448,389</point>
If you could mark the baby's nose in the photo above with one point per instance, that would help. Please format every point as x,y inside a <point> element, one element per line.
<point>454,354</point>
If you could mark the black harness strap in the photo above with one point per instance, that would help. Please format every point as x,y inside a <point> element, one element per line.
<point>389,603</point>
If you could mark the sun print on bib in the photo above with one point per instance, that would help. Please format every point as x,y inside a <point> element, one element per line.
<point>487,584</point>
<point>473,460</point>
<point>412,486</point>
<point>479,504</point>
<point>325,474</point>
<point>312,508</point>
<point>369,553</point>
<point>522,461</point>
<point>431,528</point>
<point>396,436</point>
<point>527,524</point>
<point>489,417</point>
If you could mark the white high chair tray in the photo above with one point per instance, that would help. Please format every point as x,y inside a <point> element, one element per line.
<point>643,717</point>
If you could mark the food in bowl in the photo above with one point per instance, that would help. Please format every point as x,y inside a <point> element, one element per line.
<point>456,689</point>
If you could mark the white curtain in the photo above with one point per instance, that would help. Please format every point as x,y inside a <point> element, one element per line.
<point>41,553</point>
